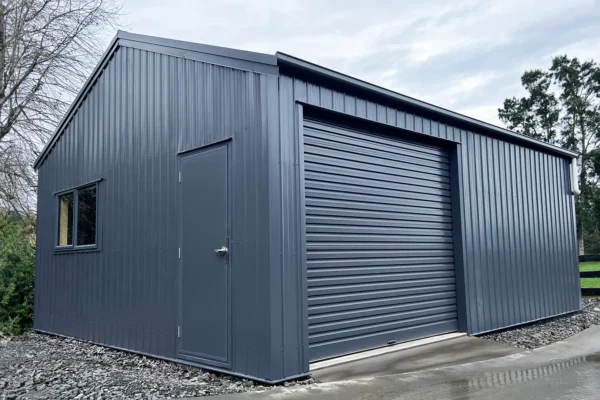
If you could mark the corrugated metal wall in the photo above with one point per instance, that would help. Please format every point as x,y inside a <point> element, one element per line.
<point>147,107</point>
<point>520,260</point>
<point>144,109</point>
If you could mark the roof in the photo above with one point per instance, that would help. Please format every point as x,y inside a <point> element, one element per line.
<point>266,63</point>
<point>294,63</point>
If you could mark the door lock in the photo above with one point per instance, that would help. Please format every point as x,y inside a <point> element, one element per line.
<point>224,250</point>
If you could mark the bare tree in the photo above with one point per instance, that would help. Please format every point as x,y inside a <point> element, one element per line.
<point>47,49</point>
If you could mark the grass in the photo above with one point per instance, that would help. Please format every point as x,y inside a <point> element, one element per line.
<point>589,266</point>
<point>590,282</point>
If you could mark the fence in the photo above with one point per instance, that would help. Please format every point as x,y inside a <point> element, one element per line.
<point>589,257</point>
<point>590,274</point>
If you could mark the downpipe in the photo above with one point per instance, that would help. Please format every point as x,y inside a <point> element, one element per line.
<point>576,161</point>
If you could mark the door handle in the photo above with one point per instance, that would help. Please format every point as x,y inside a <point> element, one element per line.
<point>224,250</point>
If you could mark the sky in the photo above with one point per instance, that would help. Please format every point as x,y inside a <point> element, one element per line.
<point>466,56</point>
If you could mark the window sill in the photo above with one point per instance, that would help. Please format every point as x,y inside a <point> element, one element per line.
<point>78,249</point>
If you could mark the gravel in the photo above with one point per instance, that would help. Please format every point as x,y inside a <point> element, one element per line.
<point>549,331</point>
<point>38,366</point>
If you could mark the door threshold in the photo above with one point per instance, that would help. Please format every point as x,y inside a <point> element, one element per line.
<point>382,350</point>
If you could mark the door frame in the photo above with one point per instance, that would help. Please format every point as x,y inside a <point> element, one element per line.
<point>227,363</point>
<point>306,111</point>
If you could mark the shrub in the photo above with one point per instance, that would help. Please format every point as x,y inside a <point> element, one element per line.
<point>17,266</point>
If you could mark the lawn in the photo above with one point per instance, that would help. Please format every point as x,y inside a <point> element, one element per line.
<point>589,266</point>
<point>590,282</point>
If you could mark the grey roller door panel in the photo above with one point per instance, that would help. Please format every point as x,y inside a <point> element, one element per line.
<point>337,157</point>
<point>332,195</point>
<point>381,294</point>
<point>350,168</point>
<point>381,212</point>
<point>399,193</point>
<point>380,254</point>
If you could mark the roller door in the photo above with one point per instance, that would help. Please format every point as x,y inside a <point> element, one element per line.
<point>379,240</point>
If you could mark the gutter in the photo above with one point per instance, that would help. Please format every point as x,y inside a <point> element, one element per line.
<point>292,62</point>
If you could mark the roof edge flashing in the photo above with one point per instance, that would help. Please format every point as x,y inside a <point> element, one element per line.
<point>299,64</point>
<point>245,55</point>
<point>123,36</point>
<point>114,44</point>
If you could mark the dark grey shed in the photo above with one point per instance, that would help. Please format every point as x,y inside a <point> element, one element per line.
<point>254,213</point>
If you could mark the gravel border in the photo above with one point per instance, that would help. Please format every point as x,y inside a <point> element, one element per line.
<point>39,366</point>
<point>545,332</point>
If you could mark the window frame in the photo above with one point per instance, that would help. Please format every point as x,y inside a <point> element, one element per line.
<point>74,247</point>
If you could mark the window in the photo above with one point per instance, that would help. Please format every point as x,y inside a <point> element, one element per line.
<point>77,218</point>
<point>86,216</point>
<point>65,220</point>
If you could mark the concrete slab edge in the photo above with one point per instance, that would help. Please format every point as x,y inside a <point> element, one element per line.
<point>383,350</point>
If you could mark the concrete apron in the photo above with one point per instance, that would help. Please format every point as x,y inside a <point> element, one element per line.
<point>567,368</point>
<point>331,362</point>
<point>459,349</point>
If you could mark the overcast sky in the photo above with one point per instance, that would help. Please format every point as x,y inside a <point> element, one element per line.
<point>466,56</point>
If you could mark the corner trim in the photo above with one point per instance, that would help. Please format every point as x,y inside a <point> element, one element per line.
<point>303,273</point>
<point>458,236</point>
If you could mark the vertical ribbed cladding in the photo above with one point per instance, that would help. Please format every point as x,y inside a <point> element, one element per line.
<point>123,294</point>
<point>144,108</point>
<point>519,249</point>
<point>517,224</point>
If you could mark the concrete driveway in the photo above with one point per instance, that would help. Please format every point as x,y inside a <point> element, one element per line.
<point>568,369</point>
<point>455,351</point>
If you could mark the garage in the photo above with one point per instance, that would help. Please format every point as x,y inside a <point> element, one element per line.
<point>380,259</point>
<point>261,212</point>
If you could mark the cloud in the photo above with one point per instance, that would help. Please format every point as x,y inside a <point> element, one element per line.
<point>467,84</point>
<point>465,55</point>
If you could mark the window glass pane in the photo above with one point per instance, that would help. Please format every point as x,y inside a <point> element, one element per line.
<point>86,216</point>
<point>65,219</point>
